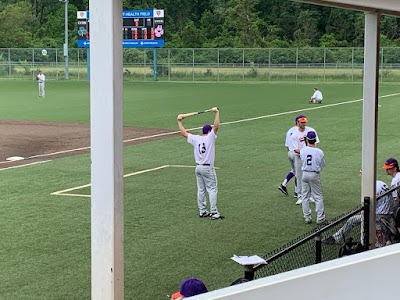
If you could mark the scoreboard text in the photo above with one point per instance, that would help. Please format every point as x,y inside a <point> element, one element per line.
<point>140,29</point>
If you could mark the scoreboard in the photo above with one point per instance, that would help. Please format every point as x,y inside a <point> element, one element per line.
<point>140,28</point>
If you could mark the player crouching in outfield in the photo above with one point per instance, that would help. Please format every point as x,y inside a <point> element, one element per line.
<point>313,161</point>
<point>317,96</point>
<point>204,156</point>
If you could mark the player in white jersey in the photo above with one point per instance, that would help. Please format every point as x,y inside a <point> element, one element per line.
<point>313,161</point>
<point>392,169</point>
<point>317,96</point>
<point>41,79</point>
<point>204,156</point>
<point>297,142</point>
<point>291,156</point>
<point>383,217</point>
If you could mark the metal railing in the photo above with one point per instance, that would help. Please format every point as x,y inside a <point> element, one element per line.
<point>309,248</point>
<point>313,248</point>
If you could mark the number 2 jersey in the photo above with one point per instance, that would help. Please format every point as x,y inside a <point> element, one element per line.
<point>312,159</point>
<point>203,147</point>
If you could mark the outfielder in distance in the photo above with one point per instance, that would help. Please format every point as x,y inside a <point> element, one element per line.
<point>204,155</point>
<point>317,96</point>
<point>41,79</point>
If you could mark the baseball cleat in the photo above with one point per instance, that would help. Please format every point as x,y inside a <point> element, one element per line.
<point>298,202</point>
<point>308,220</point>
<point>323,222</point>
<point>283,189</point>
<point>330,240</point>
<point>295,195</point>
<point>216,216</point>
<point>204,214</point>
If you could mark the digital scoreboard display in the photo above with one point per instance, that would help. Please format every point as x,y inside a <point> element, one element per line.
<point>140,29</point>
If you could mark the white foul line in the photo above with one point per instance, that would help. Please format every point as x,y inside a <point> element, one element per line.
<point>25,165</point>
<point>61,193</point>
<point>196,128</point>
<point>305,109</point>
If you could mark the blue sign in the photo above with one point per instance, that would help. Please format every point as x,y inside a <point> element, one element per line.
<point>129,43</point>
<point>140,29</point>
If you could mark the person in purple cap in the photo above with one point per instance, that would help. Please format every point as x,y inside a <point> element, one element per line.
<point>190,287</point>
<point>204,156</point>
<point>392,169</point>
<point>291,157</point>
<point>313,161</point>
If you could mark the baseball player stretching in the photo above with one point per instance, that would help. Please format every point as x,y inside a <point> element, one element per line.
<point>204,155</point>
<point>41,79</point>
<point>383,209</point>
<point>297,142</point>
<point>313,161</point>
<point>291,156</point>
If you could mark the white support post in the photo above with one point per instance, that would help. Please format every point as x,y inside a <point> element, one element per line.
<point>369,124</point>
<point>106,150</point>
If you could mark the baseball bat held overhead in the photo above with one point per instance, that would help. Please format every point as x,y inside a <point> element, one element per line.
<point>196,113</point>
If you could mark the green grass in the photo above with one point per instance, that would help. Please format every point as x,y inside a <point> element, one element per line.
<point>45,253</point>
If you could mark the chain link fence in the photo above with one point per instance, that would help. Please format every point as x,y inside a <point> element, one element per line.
<point>215,65</point>
<point>345,235</point>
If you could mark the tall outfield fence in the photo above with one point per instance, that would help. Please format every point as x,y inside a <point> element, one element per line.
<point>243,65</point>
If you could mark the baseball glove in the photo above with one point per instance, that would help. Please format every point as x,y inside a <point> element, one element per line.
<point>37,77</point>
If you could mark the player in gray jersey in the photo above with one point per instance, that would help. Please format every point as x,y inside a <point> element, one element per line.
<point>204,156</point>
<point>313,161</point>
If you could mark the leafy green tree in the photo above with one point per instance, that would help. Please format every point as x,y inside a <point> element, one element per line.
<point>16,21</point>
<point>330,40</point>
<point>390,27</point>
<point>190,36</point>
<point>386,42</point>
<point>204,23</point>
<point>242,21</point>
<point>307,33</point>
<point>51,33</point>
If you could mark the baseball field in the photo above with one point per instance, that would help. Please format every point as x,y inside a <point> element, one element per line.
<point>45,201</point>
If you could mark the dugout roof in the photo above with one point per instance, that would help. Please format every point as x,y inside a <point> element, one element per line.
<point>387,7</point>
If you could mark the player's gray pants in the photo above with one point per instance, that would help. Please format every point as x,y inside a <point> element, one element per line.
<point>351,222</point>
<point>311,186</point>
<point>41,89</point>
<point>206,181</point>
<point>354,221</point>
<point>298,172</point>
<point>291,157</point>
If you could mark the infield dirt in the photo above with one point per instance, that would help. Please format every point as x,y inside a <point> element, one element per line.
<point>38,141</point>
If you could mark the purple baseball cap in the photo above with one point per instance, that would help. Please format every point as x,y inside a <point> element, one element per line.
<point>190,287</point>
<point>311,135</point>
<point>207,128</point>
<point>391,163</point>
<point>299,117</point>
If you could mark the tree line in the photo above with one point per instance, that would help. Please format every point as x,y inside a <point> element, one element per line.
<point>203,24</point>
